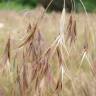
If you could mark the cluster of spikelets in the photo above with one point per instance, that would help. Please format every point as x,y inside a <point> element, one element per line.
<point>34,76</point>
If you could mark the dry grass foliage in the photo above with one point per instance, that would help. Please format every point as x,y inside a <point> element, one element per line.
<point>34,76</point>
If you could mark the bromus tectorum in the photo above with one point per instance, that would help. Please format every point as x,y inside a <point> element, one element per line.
<point>54,69</point>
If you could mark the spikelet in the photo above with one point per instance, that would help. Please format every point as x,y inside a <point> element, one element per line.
<point>29,36</point>
<point>25,82</point>
<point>29,29</point>
<point>86,54</point>
<point>6,55</point>
<point>33,46</point>
<point>18,80</point>
<point>59,85</point>
<point>71,30</point>
<point>62,22</point>
<point>86,45</point>
<point>5,61</point>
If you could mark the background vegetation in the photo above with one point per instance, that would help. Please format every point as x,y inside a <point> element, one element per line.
<point>21,4</point>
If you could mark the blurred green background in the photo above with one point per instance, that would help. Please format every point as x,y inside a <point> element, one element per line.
<point>57,5</point>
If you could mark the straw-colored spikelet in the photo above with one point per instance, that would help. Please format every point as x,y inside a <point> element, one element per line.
<point>29,36</point>
<point>62,22</point>
<point>18,80</point>
<point>33,44</point>
<point>6,55</point>
<point>61,70</point>
<point>71,30</point>
<point>86,45</point>
<point>25,83</point>
<point>29,29</point>
<point>5,61</point>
